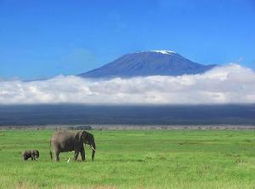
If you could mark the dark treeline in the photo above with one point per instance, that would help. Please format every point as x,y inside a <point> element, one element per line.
<point>141,115</point>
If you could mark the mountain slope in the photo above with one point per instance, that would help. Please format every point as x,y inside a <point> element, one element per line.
<point>158,62</point>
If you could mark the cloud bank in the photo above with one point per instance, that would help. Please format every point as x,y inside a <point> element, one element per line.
<point>226,84</point>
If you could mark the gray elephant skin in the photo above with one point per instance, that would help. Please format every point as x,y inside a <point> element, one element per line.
<point>33,154</point>
<point>66,141</point>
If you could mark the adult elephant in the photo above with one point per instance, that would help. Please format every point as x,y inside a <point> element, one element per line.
<point>66,141</point>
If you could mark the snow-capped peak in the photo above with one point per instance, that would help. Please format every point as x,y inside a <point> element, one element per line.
<point>164,51</point>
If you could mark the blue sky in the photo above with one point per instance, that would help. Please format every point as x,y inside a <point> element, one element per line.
<point>45,38</point>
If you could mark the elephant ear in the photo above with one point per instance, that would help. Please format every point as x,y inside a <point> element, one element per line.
<point>81,135</point>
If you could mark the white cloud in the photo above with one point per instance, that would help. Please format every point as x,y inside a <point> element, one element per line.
<point>227,84</point>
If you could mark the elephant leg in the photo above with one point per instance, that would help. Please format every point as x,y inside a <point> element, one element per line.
<point>82,154</point>
<point>76,153</point>
<point>57,156</point>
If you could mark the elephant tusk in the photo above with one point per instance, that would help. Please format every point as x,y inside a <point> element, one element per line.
<point>92,148</point>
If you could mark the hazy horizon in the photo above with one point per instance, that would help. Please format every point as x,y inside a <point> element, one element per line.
<point>77,114</point>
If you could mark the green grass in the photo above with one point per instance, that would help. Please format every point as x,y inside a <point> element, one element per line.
<point>134,159</point>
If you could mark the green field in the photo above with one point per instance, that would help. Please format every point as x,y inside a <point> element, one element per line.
<point>134,159</point>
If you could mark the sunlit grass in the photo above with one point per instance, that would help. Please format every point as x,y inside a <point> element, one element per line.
<point>134,159</point>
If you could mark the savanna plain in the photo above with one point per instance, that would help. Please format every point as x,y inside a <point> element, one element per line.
<point>134,159</point>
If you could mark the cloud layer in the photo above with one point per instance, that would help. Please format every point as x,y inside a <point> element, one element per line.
<point>227,84</point>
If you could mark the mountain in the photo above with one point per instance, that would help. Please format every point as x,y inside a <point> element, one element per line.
<point>147,63</point>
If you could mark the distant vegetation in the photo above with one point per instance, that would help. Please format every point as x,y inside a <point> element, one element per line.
<point>134,159</point>
<point>133,115</point>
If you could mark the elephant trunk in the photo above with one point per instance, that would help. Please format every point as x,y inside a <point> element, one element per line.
<point>93,147</point>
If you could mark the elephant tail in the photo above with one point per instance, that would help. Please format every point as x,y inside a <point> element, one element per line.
<point>50,151</point>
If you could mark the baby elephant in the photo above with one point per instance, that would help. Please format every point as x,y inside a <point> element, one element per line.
<point>33,154</point>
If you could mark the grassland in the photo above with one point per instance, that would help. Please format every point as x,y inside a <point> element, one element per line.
<point>134,159</point>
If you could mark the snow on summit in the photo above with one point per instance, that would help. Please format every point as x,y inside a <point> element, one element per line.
<point>164,51</point>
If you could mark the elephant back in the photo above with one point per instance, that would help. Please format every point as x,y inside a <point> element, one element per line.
<point>63,140</point>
